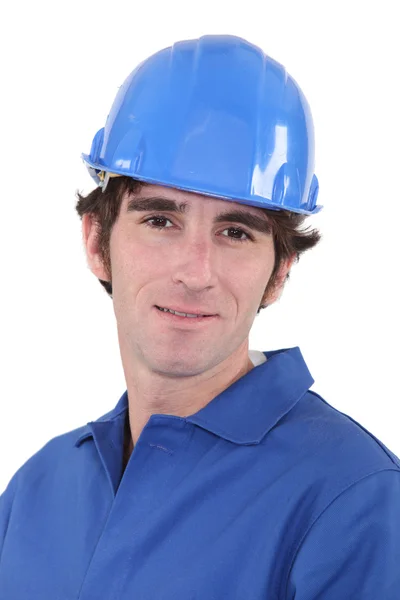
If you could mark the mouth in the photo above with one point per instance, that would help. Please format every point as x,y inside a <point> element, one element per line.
<point>184,315</point>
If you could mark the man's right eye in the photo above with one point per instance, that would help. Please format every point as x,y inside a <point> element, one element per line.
<point>159,220</point>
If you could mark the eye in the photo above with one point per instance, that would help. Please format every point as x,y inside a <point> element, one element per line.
<point>238,233</point>
<point>160,222</point>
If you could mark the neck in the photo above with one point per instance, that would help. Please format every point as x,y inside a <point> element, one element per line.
<point>150,392</point>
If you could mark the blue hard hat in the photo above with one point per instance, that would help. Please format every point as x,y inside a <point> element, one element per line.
<point>214,116</point>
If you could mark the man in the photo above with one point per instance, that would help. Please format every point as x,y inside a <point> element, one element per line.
<point>218,474</point>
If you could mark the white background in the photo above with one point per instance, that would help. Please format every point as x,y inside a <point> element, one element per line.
<point>62,65</point>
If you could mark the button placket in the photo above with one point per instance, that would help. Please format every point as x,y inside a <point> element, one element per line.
<point>146,482</point>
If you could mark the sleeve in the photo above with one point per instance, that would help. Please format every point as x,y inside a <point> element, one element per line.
<point>353,549</point>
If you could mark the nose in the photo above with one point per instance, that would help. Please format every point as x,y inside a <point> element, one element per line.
<point>196,263</point>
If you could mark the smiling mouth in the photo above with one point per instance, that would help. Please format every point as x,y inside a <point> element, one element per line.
<point>182,314</point>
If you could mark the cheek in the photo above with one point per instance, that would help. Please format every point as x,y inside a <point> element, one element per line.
<point>135,263</point>
<point>246,286</point>
<point>252,271</point>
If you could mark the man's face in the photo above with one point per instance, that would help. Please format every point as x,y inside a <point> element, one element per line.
<point>191,253</point>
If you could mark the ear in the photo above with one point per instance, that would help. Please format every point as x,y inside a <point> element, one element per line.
<point>272,294</point>
<point>90,240</point>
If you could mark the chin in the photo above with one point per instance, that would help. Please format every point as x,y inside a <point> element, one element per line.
<point>178,366</point>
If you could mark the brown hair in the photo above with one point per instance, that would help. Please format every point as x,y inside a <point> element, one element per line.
<point>289,238</point>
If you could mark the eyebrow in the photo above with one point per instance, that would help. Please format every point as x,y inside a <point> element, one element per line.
<point>250,220</point>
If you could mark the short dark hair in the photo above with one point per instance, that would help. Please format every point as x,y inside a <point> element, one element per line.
<point>289,238</point>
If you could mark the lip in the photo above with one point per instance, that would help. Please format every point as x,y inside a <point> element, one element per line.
<point>190,311</point>
<point>185,321</point>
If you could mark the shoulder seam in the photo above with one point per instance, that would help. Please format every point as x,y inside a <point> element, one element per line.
<point>386,450</point>
<point>301,542</point>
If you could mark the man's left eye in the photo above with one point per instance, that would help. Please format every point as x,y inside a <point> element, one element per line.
<point>239,232</point>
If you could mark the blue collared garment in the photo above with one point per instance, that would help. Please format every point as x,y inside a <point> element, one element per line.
<point>267,493</point>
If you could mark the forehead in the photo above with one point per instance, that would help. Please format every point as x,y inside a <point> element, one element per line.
<point>149,190</point>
